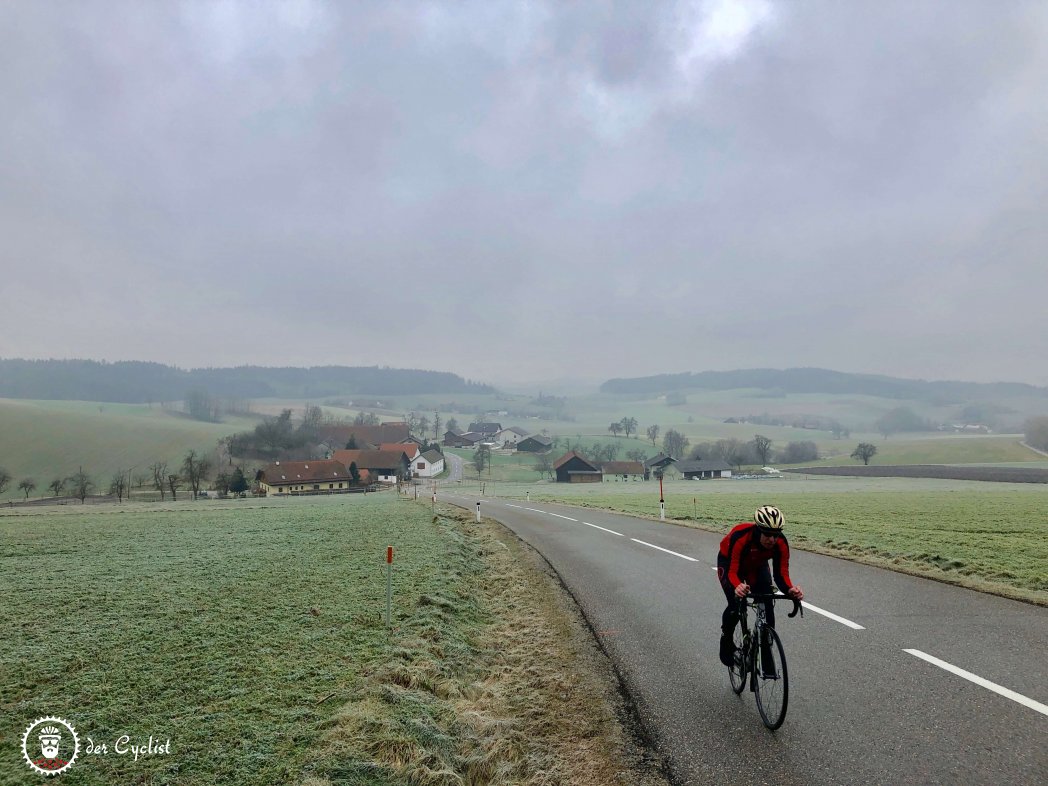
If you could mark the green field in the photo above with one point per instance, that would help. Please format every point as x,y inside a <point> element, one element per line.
<point>987,536</point>
<point>50,439</point>
<point>251,635</point>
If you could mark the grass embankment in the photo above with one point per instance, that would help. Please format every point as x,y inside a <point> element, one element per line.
<point>43,440</point>
<point>251,635</point>
<point>993,538</point>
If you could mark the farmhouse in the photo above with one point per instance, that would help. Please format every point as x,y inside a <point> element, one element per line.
<point>409,449</point>
<point>661,466</point>
<point>536,443</point>
<point>337,436</point>
<point>509,437</point>
<point>704,470</point>
<point>487,429</point>
<point>622,470</point>
<point>469,439</point>
<point>429,464</point>
<point>572,467</point>
<point>385,466</point>
<point>321,476</point>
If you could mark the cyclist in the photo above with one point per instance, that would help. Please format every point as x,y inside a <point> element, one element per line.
<point>742,566</point>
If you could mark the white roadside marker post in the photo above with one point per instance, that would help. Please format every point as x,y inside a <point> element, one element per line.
<point>478,510</point>
<point>662,502</point>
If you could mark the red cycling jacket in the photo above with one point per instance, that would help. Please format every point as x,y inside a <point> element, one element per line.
<point>741,549</point>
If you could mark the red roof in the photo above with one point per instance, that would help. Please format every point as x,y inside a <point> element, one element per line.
<point>281,472</point>
<point>369,459</point>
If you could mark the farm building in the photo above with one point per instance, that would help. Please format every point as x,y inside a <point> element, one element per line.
<point>622,470</point>
<point>487,429</point>
<point>704,470</point>
<point>661,466</point>
<point>509,437</point>
<point>469,439</point>
<point>385,466</point>
<point>338,436</point>
<point>572,467</point>
<point>536,443</point>
<point>429,464</point>
<point>321,476</point>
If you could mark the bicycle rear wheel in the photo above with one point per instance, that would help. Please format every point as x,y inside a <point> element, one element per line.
<point>771,680</point>
<point>737,671</point>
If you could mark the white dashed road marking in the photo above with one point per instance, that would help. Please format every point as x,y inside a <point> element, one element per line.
<point>660,548</point>
<point>1008,694</point>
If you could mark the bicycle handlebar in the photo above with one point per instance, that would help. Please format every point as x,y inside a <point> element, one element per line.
<point>776,596</point>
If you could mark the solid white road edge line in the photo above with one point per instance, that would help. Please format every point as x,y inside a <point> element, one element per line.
<point>660,548</point>
<point>1008,694</point>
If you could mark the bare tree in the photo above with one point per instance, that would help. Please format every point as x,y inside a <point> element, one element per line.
<point>26,485</point>
<point>615,428</point>
<point>629,425</point>
<point>56,486</point>
<point>5,479</point>
<point>653,434</point>
<point>118,485</point>
<point>482,458</point>
<point>436,427</point>
<point>159,470</point>
<point>312,418</point>
<point>174,483</point>
<point>864,451</point>
<point>195,469</point>
<point>674,444</point>
<point>762,447</point>
<point>544,465</point>
<point>81,484</point>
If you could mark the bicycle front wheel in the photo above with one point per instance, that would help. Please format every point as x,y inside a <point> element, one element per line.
<point>770,679</point>
<point>737,671</point>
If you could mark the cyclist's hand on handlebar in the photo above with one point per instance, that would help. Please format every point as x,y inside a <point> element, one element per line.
<point>742,590</point>
<point>796,593</point>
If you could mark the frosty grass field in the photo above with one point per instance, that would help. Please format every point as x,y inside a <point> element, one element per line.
<point>250,633</point>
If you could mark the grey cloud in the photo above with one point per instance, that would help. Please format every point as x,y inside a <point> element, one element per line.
<point>857,179</point>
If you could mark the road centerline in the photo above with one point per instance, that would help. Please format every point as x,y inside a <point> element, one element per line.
<point>660,548</point>
<point>613,532</point>
<point>985,683</point>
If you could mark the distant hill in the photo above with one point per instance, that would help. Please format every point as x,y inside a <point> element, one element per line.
<point>135,382</point>
<point>818,380</point>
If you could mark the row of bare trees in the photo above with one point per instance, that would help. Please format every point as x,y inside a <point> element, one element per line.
<point>192,475</point>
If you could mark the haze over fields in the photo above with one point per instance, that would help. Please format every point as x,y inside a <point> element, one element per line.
<point>527,192</point>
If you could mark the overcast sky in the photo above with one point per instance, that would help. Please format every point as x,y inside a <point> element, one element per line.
<point>516,191</point>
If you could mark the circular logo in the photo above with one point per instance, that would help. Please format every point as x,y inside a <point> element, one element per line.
<point>50,745</point>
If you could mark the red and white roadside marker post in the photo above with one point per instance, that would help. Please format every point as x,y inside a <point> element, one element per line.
<point>389,585</point>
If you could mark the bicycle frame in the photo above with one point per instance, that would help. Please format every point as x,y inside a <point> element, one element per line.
<point>760,659</point>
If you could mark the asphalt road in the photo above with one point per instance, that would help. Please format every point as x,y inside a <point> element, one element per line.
<point>866,704</point>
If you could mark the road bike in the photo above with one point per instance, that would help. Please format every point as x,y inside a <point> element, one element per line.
<point>760,658</point>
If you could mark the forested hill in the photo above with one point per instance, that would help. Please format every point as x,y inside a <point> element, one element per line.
<point>817,380</point>
<point>134,382</point>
